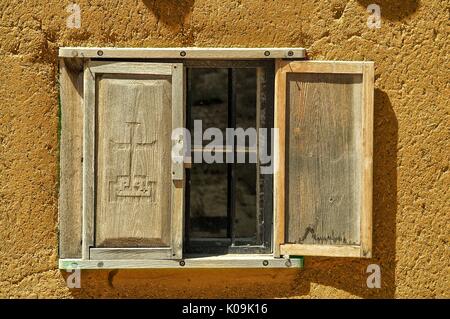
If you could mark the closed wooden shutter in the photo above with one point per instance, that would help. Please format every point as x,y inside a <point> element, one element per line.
<point>133,191</point>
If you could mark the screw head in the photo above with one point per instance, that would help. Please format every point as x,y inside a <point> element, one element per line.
<point>288,263</point>
<point>266,53</point>
<point>182,263</point>
<point>265,263</point>
<point>183,53</point>
<point>99,52</point>
<point>290,53</point>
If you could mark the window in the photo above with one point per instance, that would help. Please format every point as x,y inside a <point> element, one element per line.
<point>229,202</point>
<point>126,203</point>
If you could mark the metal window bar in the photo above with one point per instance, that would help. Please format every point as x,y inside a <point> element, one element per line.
<point>231,166</point>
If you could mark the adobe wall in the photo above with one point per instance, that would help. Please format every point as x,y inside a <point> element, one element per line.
<point>411,154</point>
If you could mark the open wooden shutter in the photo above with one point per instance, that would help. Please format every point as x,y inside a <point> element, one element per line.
<point>323,160</point>
<point>133,191</point>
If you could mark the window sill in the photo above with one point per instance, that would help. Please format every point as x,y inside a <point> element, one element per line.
<point>191,261</point>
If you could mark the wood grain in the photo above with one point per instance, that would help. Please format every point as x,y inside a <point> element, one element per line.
<point>133,161</point>
<point>88,160</point>
<point>70,166</point>
<point>335,67</point>
<point>367,115</point>
<point>114,67</point>
<point>178,172</point>
<point>130,253</point>
<point>321,250</point>
<point>324,194</point>
<point>323,179</point>
<point>129,198</point>
<point>191,261</point>
<point>185,53</point>
<point>279,156</point>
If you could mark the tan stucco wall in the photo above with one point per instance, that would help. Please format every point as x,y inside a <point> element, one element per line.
<point>411,154</point>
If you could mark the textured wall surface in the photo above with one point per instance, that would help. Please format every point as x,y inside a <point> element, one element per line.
<point>411,154</point>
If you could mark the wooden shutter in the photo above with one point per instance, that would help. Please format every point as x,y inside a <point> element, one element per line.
<point>323,175</point>
<point>132,190</point>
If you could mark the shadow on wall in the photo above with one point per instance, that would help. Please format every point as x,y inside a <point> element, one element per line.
<point>394,10</point>
<point>347,275</point>
<point>173,13</point>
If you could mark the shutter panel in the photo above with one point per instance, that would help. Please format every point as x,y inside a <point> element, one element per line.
<point>133,191</point>
<point>323,177</point>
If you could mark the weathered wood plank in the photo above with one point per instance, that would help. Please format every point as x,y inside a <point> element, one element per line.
<point>178,173</point>
<point>70,164</point>
<point>88,160</point>
<point>225,261</point>
<point>133,160</point>
<point>267,121</point>
<point>130,253</point>
<point>323,188</point>
<point>279,156</point>
<point>367,114</point>
<point>324,250</point>
<point>206,63</point>
<point>178,117</point>
<point>347,67</point>
<point>324,194</point>
<point>114,67</point>
<point>187,53</point>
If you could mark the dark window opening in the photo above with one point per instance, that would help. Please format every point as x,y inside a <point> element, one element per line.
<point>229,205</point>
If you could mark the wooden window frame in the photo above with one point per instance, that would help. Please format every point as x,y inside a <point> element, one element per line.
<point>72,252</point>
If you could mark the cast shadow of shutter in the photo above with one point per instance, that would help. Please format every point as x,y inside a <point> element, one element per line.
<point>349,274</point>
<point>172,13</point>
